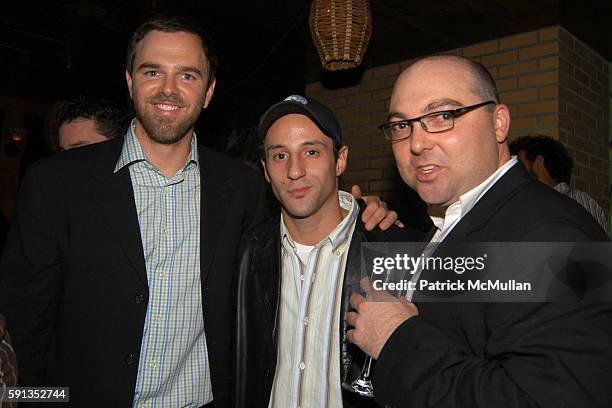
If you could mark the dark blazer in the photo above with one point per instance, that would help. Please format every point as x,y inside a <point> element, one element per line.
<point>505,354</point>
<point>73,283</point>
<point>258,289</point>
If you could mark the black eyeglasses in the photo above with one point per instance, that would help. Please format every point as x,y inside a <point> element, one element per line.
<point>434,122</point>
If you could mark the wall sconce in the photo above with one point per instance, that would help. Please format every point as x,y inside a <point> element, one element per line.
<point>17,138</point>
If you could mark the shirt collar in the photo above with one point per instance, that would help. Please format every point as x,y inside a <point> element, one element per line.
<point>132,151</point>
<point>468,200</point>
<point>339,235</point>
<point>563,188</point>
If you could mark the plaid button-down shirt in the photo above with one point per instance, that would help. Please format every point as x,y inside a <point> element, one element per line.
<point>173,367</point>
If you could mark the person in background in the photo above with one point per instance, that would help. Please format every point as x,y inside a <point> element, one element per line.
<point>85,120</point>
<point>548,161</point>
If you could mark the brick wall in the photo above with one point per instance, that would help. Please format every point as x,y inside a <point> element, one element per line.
<point>526,69</point>
<point>531,73</point>
<point>584,114</point>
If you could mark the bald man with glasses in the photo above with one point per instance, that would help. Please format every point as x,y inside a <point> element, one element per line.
<point>448,133</point>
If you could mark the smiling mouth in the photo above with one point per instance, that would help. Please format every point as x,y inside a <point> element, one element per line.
<point>427,169</point>
<point>165,107</point>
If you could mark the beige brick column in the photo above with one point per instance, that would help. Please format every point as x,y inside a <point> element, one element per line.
<point>552,82</point>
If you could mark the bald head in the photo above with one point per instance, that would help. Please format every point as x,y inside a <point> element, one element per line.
<point>482,83</point>
<point>443,165</point>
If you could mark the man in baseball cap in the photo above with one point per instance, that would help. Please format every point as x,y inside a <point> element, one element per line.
<point>320,114</point>
<point>298,269</point>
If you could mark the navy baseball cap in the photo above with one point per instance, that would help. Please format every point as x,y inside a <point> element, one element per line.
<point>319,113</point>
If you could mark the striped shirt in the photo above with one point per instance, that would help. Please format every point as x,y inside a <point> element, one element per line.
<point>308,366</point>
<point>587,202</point>
<point>173,366</point>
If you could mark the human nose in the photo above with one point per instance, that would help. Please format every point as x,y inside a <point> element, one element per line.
<point>169,86</point>
<point>420,140</point>
<point>296,168</point>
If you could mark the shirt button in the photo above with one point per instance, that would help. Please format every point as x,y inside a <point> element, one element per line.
<point>130,360</point>
<point>301,277</point>
<point>306,321</point>
<point>302,365</point>
<point>152,365</point>
<point>337,253</point>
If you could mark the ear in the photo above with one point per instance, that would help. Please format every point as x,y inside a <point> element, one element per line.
<point>128,79</point>
<point>263,164</point>
<point>501,121</point>
<point>341,161</point>
<point>209,93</point>
<point>541,172</point>
<point>522,157</point>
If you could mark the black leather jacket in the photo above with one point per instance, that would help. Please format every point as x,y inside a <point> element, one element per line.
<point>258,296</point>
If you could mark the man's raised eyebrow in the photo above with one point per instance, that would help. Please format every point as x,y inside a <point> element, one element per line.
<point>313,143</point>
<point>193,70</point>
<point>180,68</point>
<point>275,146</point>
<point>148,65</point>
<point>309,143</point>
<point>433,106</point>
<point>396,115</point>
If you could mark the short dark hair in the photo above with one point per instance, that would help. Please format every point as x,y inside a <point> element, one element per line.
<point>557,161</point>
<point>173,24</point>
<point>485,84</point>
<point>110,120</point>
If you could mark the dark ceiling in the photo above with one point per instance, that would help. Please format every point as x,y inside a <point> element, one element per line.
<point>59,48</point>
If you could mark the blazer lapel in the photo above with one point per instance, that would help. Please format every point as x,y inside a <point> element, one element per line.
<point>508,185</point>
<point>213,208</point>
<point>115,196</point>
<point>430,234</point>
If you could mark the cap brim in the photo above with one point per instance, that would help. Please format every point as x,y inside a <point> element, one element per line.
<point>286,108</point>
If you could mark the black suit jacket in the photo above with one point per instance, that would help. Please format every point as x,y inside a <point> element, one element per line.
<point>73,283</point>
<point>505,354</point>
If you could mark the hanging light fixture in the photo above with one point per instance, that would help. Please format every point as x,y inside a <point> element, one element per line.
<point>341,31</point>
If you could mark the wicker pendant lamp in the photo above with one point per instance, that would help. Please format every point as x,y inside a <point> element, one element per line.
<point>341,31</point>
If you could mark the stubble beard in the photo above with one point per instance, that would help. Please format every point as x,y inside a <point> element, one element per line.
<point>299,213</point>
<point>314,204</point>
<point>294,210</point>
<point>165,130</point>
